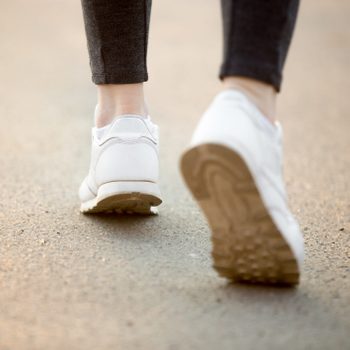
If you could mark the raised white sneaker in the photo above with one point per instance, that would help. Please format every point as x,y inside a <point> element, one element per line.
<point>123,175</point>
<point>234,170</point>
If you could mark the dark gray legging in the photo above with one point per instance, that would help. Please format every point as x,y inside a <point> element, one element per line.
<point>257,35</point>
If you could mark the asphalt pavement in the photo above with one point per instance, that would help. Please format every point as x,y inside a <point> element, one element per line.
<point>69,281</point>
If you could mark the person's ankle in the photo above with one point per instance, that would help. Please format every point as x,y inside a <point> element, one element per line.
<point>261,94</point>
<point>105,115</point>
<point>117,100</point>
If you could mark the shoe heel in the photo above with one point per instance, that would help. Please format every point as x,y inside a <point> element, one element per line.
<point>247,246</point>
<point>130,197</point>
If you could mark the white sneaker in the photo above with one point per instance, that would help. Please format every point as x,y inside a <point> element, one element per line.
<point>123,175</point>
<point>234,170</point>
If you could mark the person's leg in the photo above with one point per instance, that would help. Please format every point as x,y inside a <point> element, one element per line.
<point>257,36</point>
<point>234,164</point>
<point>117,36</point>
<point>123,174</point>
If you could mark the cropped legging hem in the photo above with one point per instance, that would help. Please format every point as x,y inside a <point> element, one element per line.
<point>121,77</point>
<point>250,69</point>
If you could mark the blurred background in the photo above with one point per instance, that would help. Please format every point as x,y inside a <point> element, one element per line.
<point>75,282</point>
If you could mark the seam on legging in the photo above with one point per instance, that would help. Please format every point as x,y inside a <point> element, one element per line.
<point>229,34</point>
<point>98,32</point>
<point>234,19</point>
<point>232,32</point>
<point>145,34</point>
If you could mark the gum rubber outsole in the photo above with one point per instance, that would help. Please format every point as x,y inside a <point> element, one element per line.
<point>247,246</point>
<point>124,203</point>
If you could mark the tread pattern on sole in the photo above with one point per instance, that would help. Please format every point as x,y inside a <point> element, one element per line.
<point>125,203</point>
<point>247,246</point>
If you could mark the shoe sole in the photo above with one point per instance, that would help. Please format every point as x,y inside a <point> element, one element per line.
<point>137,197</point>
<point>247,246</point>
